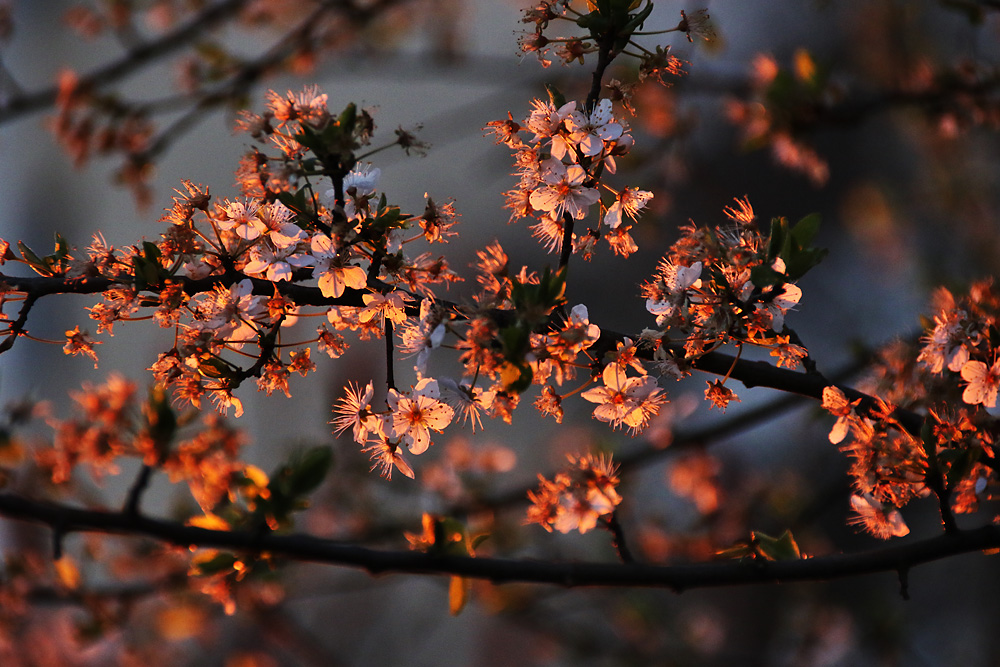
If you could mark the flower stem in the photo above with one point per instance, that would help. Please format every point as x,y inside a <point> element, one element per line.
<point>613,526</point>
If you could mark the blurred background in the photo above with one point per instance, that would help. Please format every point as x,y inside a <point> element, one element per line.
<point>884,120</point>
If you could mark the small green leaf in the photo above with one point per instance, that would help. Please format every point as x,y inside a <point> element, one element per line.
<point>637,20</point>
<point>348,117</point>
<point>805,230</point>
<point>555,96</point>
<point>307,471</point>
<point>221,562</point>
<point>764,276</point>
<point>779,229</point>
<point>295,202</point>
<point>40,266</point>
<point>783,547</point>
<point>214,368</point>
<point>161,420</point>
<point>762,545</point>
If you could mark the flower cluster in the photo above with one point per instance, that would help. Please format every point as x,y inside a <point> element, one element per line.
<point>888,465</point>
<point>560,168</point>
<point>623,400</point>
<point>724,285</point>
<point>952,377</point>
<point>576,498</point>
<point>408,421</point>
<point>224,273</point>
<point>111,423</point>
<point>626,17</point>
<point>959,359</point>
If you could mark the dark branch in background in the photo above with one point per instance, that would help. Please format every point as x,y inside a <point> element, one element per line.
<point>853,111</point>
<point>902,556</point>
<point>251,72</point>
<point>131,62</point>
<point>195,106</point>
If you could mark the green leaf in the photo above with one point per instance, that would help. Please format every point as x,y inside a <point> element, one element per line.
<point>764,276</point>
<point>762,545</point>
<point>783,547</point>
<point>161,420</point>
<point>214,368</point>
<point>309,138</point>
<point>62,248</point>
<point>348,117</point>
<point>451,538</point>
<point>555,96</point>
<point>779,229</point>
<point>295,202</point>
<point>289,485</point>
<point>306,471</point>
<point>805,230</point>
<point>221,562</point>
<point>637,20</point>
<point>33,260</point>
<point>792,245</point>
<point>147,267</point>
<point>534,303</point>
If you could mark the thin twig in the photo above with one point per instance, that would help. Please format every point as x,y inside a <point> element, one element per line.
<point>138,487</point>
<point>618,538</point>
<point>17,326</point>
<point>390,377</point>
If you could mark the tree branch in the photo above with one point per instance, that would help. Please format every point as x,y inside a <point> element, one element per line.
<point>750,373</point>
<point>131,62</point>
<point>300,547</point>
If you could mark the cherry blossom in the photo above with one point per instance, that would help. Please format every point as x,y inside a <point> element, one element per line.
<point>629,201</point>
<point>628,401</point>
<point>545,120</point>
<point>836,403</point>
<point>241,218</point>
<point>590,132</point>
<point>333,273</point>
<point>416,415</point>
<point>673,287</point>
<point>385,456</point>
<point>233,314</point>
<point>379,306</point>
<point>577,498</point>
<point>984,382</point>
<point>273,263</point>
<point>424,334</point>
<point>354,412</point>
<point>876,519</point>
<point>563,191</point>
